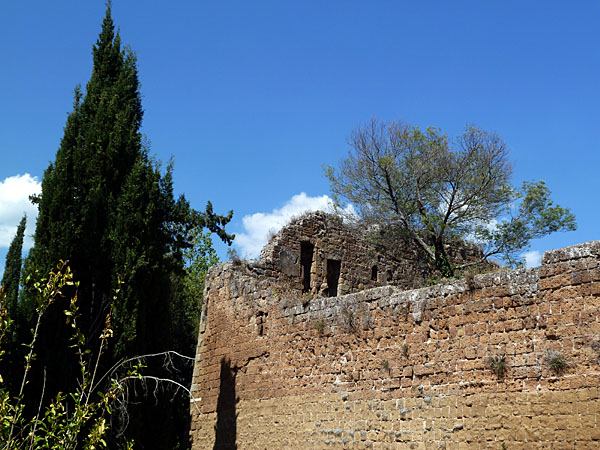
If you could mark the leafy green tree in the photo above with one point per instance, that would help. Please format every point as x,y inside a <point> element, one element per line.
<point>200,257</point>
<point>435,191</point>
<point>12,360</point>
<point>64,425</point>
<point>109,209</point>
<point>12,269</point>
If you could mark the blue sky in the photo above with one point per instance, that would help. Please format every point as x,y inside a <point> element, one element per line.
<point>251,98</point>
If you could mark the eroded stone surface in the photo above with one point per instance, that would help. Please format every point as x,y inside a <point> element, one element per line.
<point>386,367</point>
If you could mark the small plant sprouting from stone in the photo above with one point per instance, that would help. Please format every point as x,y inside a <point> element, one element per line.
<point>234,256</point>
<point>556,361</point>
<point>319,325</point>
<point>432,281</point>
<point>305,299</point>
<point>385,365</point>
<point>498,365</point>
<point>405,350</point>
<point>470,280</point>
<point>595,345</point>
<point>350,320</point>
<point>271,234</point>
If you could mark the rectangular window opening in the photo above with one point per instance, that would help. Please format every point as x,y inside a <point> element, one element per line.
<point>333,276</point>
<point>374,273</point>
<point>306,258</point>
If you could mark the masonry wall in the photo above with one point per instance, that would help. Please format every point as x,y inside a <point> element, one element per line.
<point>362,263</point>
<point>385,368</point>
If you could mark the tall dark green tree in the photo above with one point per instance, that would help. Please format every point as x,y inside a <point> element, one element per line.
<point>12,269</point>
<point>109,210</point>
<point>12,361</point>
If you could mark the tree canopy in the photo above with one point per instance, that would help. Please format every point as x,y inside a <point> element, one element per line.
<point>12,269</point>
<point>436,190</point>
<point>109,209</point>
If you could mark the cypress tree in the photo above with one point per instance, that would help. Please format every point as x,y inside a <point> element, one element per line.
<point>12,361</point>
<point>106,207</point>
<point>12,269</point>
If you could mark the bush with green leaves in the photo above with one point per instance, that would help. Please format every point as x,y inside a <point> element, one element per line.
<point>498,365</point>
<point>556,361</point>
<point>81,418</point>
<point>70,420</point>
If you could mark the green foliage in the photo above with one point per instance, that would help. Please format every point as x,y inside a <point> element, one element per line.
<point>319,325</point>
<point>83,417</point>
<point>109,208</point>
<point>186,306</point>
<point>498,365</point>
<point>437,192</point>
<point>385,365</point>
<point>198,259</point>
<point>12,269</point>
<point>556,361</point>
<point>78,419</point>
<point>532,215</point>
<point>432,281</point>
<point>405,350</point>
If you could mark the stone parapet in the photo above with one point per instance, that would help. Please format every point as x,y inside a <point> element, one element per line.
<point>392,368</point>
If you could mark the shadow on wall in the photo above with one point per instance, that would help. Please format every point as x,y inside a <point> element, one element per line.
<point>226,428</point>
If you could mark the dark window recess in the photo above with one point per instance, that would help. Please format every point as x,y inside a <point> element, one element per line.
<point>333,276</point>
<point>306,257</point>
<point>374,273</point>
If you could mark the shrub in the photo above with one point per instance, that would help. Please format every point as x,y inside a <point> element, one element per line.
<point>470,280</point>
<point>234,256</point>
<point>405,350</point>
<point>556,361</point>
<point>350,320</point>
<point>498,365</point>
<point>385,365</point>
<point>83,421</point>
<point>319,325</point>
<point>79,418</point>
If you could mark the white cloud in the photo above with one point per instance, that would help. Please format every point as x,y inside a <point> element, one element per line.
<point>14,202</point>
<point>259,225</point>
<point>533,258</point>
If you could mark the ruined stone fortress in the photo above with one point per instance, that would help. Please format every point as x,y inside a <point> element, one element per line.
<point>322,344</point>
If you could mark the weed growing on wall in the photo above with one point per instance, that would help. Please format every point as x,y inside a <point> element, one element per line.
<point>498,365</point>
<point>305,299</point>
<point>470,280</point>
<point>385,365</point>
<point>319,325</point>
<point>350,319</point>
<point>405,350</point>
<point>556,361</point>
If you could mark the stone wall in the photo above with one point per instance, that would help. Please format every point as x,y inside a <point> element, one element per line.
<point>302,255</point>
<point>387,368</point>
